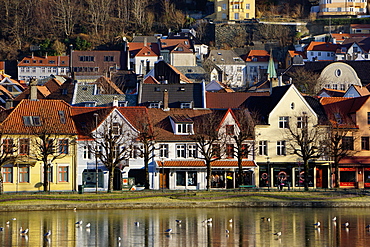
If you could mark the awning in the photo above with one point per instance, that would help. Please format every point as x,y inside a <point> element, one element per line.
<point>355,161</point>
<point>202,164</point>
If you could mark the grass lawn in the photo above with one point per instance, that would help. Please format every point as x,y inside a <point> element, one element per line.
<point>181,196</point>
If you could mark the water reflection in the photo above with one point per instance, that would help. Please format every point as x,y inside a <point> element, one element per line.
<point>229,227</point>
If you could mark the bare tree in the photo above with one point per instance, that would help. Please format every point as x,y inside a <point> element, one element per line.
<point>243,139</point>
<point>8,154</point>
<point>305,81</point>
<point>47,145</point>
<point>146,137</point>
<point>209,141</point>
<point>304,142</point>
<point>66,15</point>
<point>114,144</point>
<point>340,138</point>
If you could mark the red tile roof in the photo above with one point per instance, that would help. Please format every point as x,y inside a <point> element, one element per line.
<point>151,80</point>
<point>260,55</point>
<point>167,43</point>
<point>138,49</point>
<point>322,46</point>
<point>297,53</point>
<point>51,61</point>
<point>49,113</point>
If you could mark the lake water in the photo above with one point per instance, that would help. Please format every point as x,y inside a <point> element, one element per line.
<point>246,229</point>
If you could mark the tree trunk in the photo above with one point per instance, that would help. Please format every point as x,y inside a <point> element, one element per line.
<point>45,177</point>
<point>146,166</point>
<point>336,174</point>
<point>111,176</point>
<point>240,165</point>
<point>209,173</point>
<point>1,184</point>
<point>306,170</point>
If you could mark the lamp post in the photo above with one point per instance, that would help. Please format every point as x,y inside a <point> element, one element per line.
<point>162,175</point>
<point>268,173</point>
<point>96,150</point>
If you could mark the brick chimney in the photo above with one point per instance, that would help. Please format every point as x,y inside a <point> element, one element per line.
<point>165,100</point>
<point>33,89</point>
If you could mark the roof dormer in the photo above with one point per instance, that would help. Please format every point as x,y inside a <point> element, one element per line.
<point>182,124</point>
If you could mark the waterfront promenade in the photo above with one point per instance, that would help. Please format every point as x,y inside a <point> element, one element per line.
<point>183,199</point>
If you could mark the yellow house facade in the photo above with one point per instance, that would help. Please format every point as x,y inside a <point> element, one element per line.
<point>29,129</point>
<point>235,10</point>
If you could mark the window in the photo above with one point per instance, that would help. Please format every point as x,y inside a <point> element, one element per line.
<point>236,16</point>
<point>31,121</point>
<point>108,58</point>
<point>63,173</point>
<point>86,58</point>
<point>63,146</point>
<point>8,174</point>
<point>335,86</point>
<point>62,117</point>
<point>247,16</point>
<point>262,148</point>
<point>338,117</point>
<point>8,146</point>
<point>236,6</point>
<point>230,130</point>
<point>192,151</point>
<point>115,129</point>
<point>180,178</point>
<point>300,122</point>
<point>224,16</point>
<point>24,146</point>
<point>87,152</point>
<point>216,150</point>
<point>163,150</point>
<point>185,105</point>
<point>280,148</point>
<point>343,87</point>
<point>154,105</point>
<point>283,122</point>
<point>180,151</point>
<point>223,6</point>
<point>24,174</point>
<point>368,118</point>
<point>365,143</point>
<point>247,6</point>
<point>319,53</point>
<point>229,151</point>
<point>184,128</point>
<point>192,178</point>
<point>347,143</point>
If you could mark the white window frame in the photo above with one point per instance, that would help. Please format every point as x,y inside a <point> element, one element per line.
<point>281,148</point>
<point>283,122</point>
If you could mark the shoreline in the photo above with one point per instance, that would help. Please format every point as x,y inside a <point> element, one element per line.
<point>167,205</point>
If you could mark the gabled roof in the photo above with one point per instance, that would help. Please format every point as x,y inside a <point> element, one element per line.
<point>222,57</point>
<point>49,112</point>
<point>150,80</point>
<point>171,43</point>
<point>183,78</point>
<point>42,93</point>
<point>181,48</point>
<point>139,49</point>
<point>263,105</point>
<point>321,46</point>
<point>85,117</point>
<point>257,56</point>
<point>297,53</point>
<point>49,61</point>
<point>362,42</point>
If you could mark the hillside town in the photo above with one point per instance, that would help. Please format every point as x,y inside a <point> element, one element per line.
<point>173,111</point>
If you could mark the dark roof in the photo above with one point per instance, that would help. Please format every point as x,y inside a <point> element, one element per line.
<point>221,100</point>
<point>263,105</point>
<point>315,104</point>
<point>177,94</point>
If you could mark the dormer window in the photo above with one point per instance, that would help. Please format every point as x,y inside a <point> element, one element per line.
<point>154,105</point>
<point>62,117</point>
<point>115,129</point>
<point>186,105</point>
<point>31,121</point>
<point>182,124</point>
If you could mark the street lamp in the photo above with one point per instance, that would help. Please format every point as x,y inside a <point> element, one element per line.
<point>96,150</point>
<point>268,173</point>
<point>162,174</point>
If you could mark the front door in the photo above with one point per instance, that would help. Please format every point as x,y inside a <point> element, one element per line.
<point>163,181</point>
